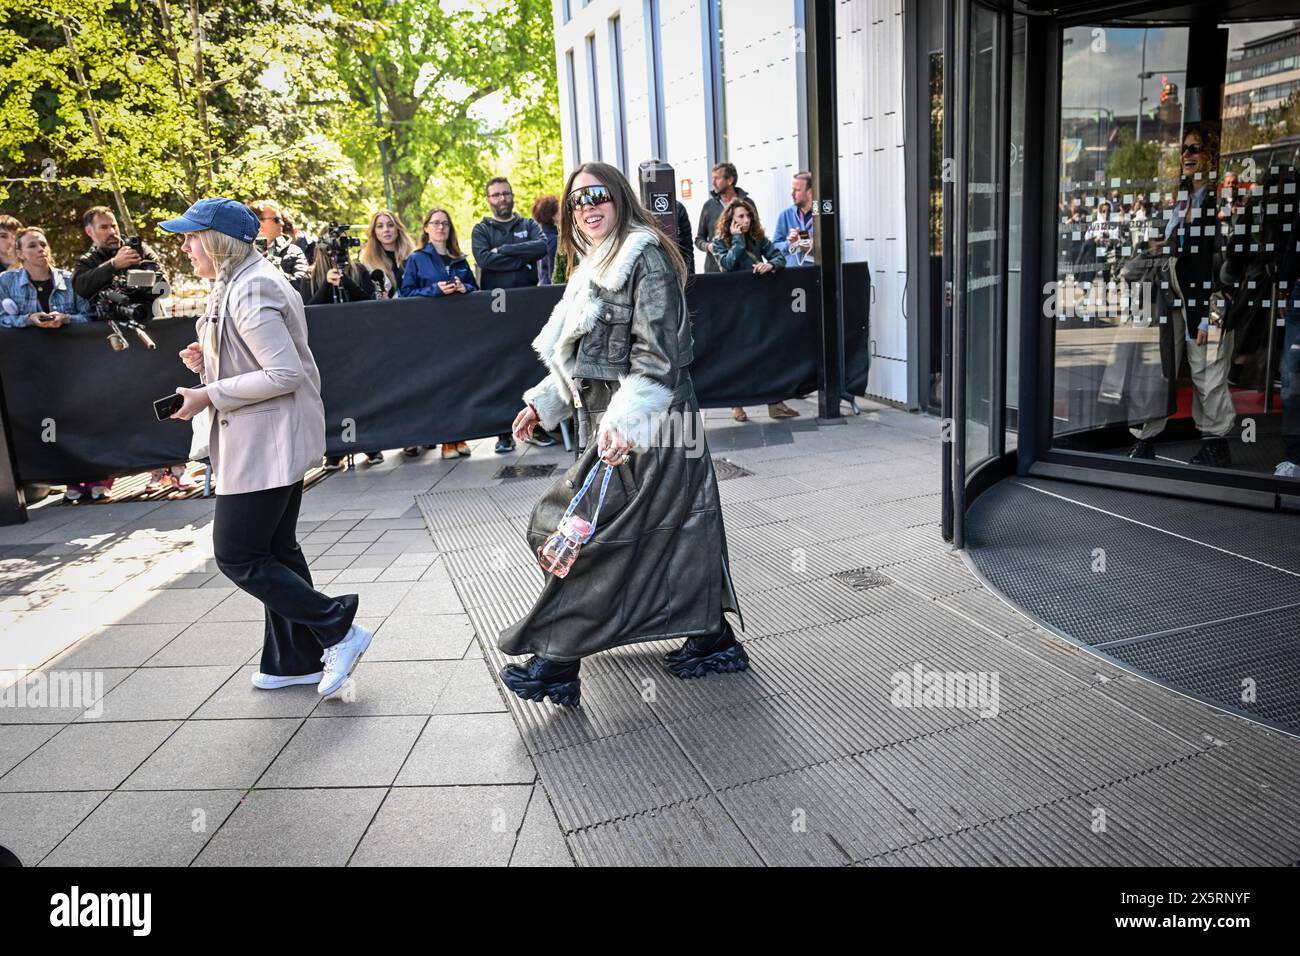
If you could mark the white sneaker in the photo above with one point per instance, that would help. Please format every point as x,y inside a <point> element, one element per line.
<point>99,491</point>
<point>1287,469</point>
<point>341,658</point>
<point>272,681</point>
<point>72,494</point>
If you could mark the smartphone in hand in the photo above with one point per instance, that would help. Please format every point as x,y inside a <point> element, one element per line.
<point>165,408</point>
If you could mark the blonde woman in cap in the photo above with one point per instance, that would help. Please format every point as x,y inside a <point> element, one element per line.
<point>268,429</point>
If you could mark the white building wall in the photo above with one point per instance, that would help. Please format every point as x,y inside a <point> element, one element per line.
<point>873,200</point>
<point>761,103</point>
<point>762,122</point>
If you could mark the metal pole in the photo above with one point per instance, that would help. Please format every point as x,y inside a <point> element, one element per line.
<point>823,152</point>
<point>1142,85</point>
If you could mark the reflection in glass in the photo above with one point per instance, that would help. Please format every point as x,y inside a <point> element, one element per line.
<point>1174,302</point>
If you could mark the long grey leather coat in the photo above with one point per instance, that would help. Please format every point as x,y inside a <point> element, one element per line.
<point>617,348</point>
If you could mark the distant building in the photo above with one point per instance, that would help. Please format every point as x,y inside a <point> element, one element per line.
<point>1263,75</point>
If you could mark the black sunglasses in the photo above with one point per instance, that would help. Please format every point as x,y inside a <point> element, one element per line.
<point>1194,148</point>
<point>588,196</point>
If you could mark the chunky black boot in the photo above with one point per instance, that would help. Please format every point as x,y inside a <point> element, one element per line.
<point>1213,452</point>
<point>720,653</point>
<point>1143,448</point>
<point>540,677</point>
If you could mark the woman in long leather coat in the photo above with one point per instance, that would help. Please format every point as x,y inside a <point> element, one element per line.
<point>616,349</point>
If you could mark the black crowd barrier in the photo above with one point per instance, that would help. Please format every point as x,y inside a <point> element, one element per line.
<point>412,371</point>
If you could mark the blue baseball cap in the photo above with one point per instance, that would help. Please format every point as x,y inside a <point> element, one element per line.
<point>226,216</point>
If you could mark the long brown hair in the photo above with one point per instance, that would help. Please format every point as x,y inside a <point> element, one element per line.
<point>754,236</point>
<point>453,245</point>
<point>628,212</point>
<point>372,255</point>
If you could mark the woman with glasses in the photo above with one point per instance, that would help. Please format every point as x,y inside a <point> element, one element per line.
<point>616,349</point>
<point>438,269</point>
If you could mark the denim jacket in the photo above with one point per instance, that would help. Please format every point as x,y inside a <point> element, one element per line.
<point>18,299</point>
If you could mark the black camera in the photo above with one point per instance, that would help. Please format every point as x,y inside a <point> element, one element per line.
<point>136,243</point>
<point>335,243</point>
<point>127,302</point>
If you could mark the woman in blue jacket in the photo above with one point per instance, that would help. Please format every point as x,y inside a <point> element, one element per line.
<point>36,294</point>
<point>438,269</point>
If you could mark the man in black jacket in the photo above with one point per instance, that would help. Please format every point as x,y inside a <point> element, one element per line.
<point>723,192</point>
<point>506,245</point>
<point>684,238</point>
<point>107,256</point>
<point>506,249</point>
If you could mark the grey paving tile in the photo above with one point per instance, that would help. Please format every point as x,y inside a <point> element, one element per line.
<point>118,645</point>
<point>344,752</point>
<point>468,749</point>
<point>161,693</point>
<point>88,756</point>
<point>237,697</point>
<point>444,826</point>
<point>146,829</point>
<point>32,824</point>
<point>214,754</point>
<point>18,741</point>
<point>390,688</point>
<point>284,828</point>
<point>59,696</point>
<point>541,841</point>
<point>165,607</point>
<point>473,689</point>
<point>211,643</point>
<point>424,637</point>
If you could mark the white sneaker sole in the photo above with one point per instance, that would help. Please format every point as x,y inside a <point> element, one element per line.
<point>339,681</point>
<point>270,682</point>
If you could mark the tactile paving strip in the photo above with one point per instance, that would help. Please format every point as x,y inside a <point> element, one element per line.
<point>804,758</point>
<point>1191,615</point>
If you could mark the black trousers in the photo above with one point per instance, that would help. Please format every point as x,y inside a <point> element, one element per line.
<point>255,541</point>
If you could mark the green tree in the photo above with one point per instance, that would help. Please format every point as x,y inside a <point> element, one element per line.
<point>1132,161</point>
<point>435,66</point>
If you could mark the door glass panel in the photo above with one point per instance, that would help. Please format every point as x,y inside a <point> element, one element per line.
<point>985,281</point>
<point>1174,308</point>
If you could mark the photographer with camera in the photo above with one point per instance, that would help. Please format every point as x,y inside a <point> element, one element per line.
<point>334,277</point>
<point>108,256</point>
<point>276,246</point>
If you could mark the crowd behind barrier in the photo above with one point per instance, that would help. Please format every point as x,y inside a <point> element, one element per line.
<point>411,372</point>
<point>394,375</point>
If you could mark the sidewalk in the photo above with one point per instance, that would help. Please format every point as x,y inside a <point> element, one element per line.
<point>819,754</point>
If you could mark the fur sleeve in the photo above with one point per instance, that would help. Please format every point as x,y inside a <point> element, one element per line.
<point>637,409</point>
<point>550,401</point>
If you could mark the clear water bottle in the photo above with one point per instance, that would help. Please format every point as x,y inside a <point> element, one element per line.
<point>558,552</point>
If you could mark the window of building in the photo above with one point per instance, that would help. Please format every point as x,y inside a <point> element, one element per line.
<point>655,76</point>
<point>616,61</point>
<point>592,78</point>
<point>571,77</point>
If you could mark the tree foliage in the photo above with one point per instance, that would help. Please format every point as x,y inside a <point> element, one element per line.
<point>147,105</point>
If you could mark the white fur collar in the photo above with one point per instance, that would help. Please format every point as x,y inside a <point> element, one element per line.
<point>575,314</point>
